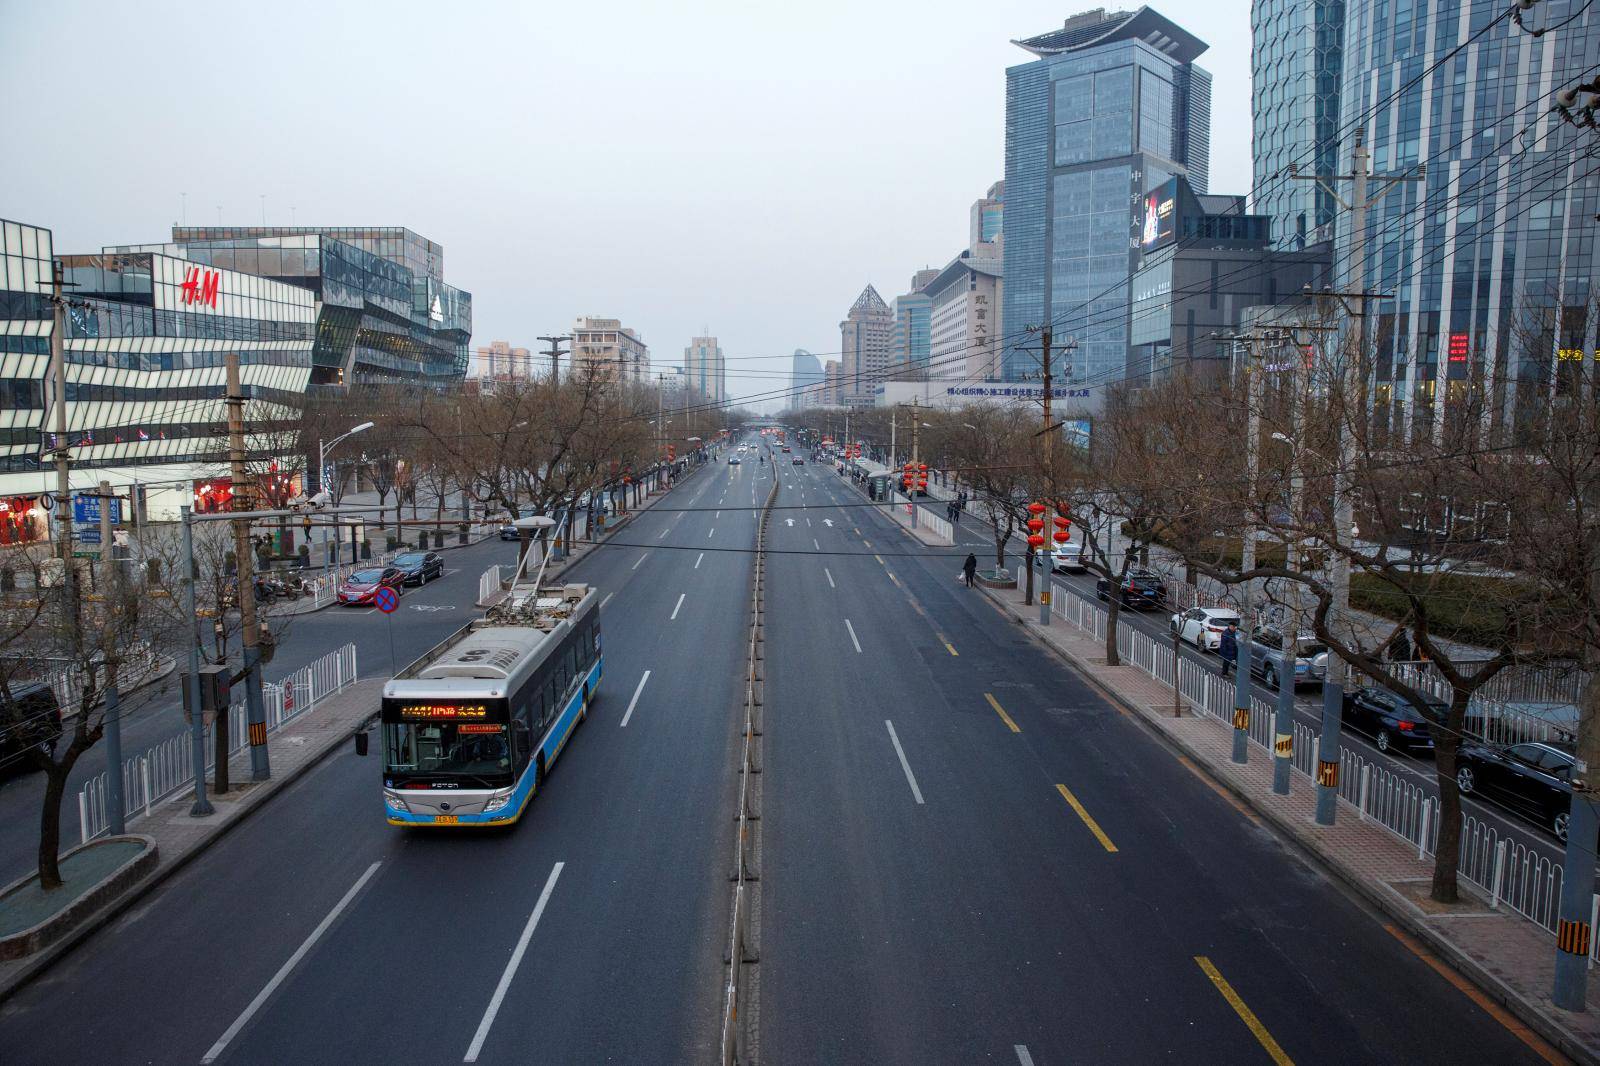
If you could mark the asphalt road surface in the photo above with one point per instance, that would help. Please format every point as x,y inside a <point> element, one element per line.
<point>967,856</point>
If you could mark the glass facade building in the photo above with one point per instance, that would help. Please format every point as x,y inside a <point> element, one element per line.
<point>1112,106</point>
<point>1295,65</point>
<point>805,379</point>
<point>384,312</point>
<point>146,338</point>
<point>1491,262</point>
<point>912,326</point>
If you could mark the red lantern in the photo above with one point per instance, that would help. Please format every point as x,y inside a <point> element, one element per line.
<point>1063,523</point>
<point>1036,508</point>
<point>1036,525</point>
<point>1035,540</point>
<point>1062,536</point>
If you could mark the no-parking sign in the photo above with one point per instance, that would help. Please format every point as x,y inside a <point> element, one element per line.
<point>385,600</point>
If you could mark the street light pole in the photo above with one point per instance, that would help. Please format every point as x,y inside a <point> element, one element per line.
<point>197,724</point>
<point>322,466</point>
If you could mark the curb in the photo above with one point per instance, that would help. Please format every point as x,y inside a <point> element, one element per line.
<point>42,961</point>
<point>60,925</point>
<point>1492,986</point>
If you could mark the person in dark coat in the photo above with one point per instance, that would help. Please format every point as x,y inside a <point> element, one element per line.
<point>1229,650</point>
<point>970,568</point>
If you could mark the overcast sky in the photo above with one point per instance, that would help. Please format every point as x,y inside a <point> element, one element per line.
<point>746,167</point>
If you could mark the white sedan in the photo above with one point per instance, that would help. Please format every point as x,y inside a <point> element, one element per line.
<point>1203,626</point>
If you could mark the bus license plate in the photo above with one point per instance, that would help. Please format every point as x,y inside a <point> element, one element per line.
<point>446,819</point>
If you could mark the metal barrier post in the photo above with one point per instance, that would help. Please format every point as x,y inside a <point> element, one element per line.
<point>1422,838</point>
<point>144,776</point>
<point>1366,780</point>
<point>1499,874</point>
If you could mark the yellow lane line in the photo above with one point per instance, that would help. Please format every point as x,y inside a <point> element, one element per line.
<point>1094,827</point>
<point>951,648</point>
<point>1490,1007</point>
<point>1245,1013</point>
<point>868,543</point>
<point>880,560</point>
<point>892,577</point>
<point>1001,711</point>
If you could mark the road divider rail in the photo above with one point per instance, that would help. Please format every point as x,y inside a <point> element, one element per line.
<point>168,767</point>
<point>1507,871</point>
<point>489,586</point>
<point>737,1023</point>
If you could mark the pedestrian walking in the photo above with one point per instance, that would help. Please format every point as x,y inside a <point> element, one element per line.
<point>1229,650</point>
<point>970,568</point>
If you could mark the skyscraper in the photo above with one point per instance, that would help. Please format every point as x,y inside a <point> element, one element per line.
<point>805,380</point>
<point>1295,62</point>
<point>1492,261</point>
<point>705,369</point>
<point>986,222</point>
<point>865,343</point>
<point>909,342</point>
<point>1111,106</point>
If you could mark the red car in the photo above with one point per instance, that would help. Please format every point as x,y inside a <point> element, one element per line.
<point>363,584</point>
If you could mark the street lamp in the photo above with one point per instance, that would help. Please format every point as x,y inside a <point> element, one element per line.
<point>322,469</point>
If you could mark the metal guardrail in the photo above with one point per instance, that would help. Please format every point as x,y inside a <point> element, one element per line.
<point>168,767</point>
<point>741,948</point>
<point>1508,872</point>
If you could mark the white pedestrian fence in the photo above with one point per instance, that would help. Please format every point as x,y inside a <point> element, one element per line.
<point>1507,872</point>
<point>168,767</point>
<point>939,527</point>
<point>489,586</point>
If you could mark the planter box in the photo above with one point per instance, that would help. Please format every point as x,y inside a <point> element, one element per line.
<point>67,908</point>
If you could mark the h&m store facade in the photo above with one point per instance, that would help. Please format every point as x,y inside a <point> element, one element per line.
<point>147,334</point>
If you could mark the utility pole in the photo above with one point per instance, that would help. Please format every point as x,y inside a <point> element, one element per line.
<point>1352,384</point>
<point>111,720</point>
<point>260,767</point>
<point>197,726</point>
<point>62,451</point>
<point>555,353</point>
<point>1282,752</point>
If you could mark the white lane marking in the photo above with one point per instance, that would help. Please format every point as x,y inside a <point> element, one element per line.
<point>642,558</point>
<point>698,561</point>
<point>717,515</point>
<point>711,533</point>
<point>808,521</point>
<point>606,600</point>
<point>674,617</point>
<point>852,630</point>
<point>898,750</point>
<point>511,967</point>
<point>661,534</point>
<point>1023,1057</point>
<point>635,700</point>
<point>283,971</point>
<point>825,570</point>
<point>815,545</point>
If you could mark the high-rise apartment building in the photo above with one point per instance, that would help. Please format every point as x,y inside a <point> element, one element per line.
<point>1492,261</point>
<point>832,384</point>
<point>605,347</point>
<point>805,380</point>
<point>705,371</point>
<point>501,362</point>
<point>1112,106</point>
<point>909,342</point>
<point>866,344</point>
<point>1295,63</point>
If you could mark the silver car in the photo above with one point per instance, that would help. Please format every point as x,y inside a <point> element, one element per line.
<point>1270,657</point>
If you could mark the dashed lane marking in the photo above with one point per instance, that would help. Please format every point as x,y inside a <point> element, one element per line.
<point>1245,1014</point>
<point>1094,826</point>
<point>1001,711</point>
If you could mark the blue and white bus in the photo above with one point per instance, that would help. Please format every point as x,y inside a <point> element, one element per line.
<point>472,727</point>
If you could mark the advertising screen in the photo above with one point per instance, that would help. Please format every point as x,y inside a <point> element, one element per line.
<point>1160,215</point>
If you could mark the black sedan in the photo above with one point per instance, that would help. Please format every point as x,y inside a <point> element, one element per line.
<point>1532,779</point>
<point>419,568</point>
<point>1143,589</point>
<point>1391,721</point>
<point>509,533</point>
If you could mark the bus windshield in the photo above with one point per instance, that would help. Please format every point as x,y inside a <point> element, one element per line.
<point>462,754</point>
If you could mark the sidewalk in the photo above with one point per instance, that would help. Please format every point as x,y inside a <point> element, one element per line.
<point>1511,959</point>
<point>178,838</point>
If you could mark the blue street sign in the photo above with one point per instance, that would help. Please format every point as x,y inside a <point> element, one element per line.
<point>87,534</point>
<point>386,600</point>
<point>86,509</point>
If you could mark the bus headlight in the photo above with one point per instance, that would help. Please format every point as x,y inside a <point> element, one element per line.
<point>395,802</point>
<point>495,803</point>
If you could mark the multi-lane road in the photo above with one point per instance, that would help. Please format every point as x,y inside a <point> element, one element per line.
<point>967,855</point>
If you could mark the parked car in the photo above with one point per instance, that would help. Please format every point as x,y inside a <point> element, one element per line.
<point>509,532</point>
<point>1391,720</point>
<point>1142,590</point>
<point>1532,779</point>
<point>30,719</point>
<point>363,584</point>
<point>420,567</point>
<point>1203,626</point>
<point>1067,559</point>
<point>1271,654</point>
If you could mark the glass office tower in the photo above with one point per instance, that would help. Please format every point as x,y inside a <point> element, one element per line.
<point>1490,264</point>
<point>1295,63</point>
<point>1112,106</point>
